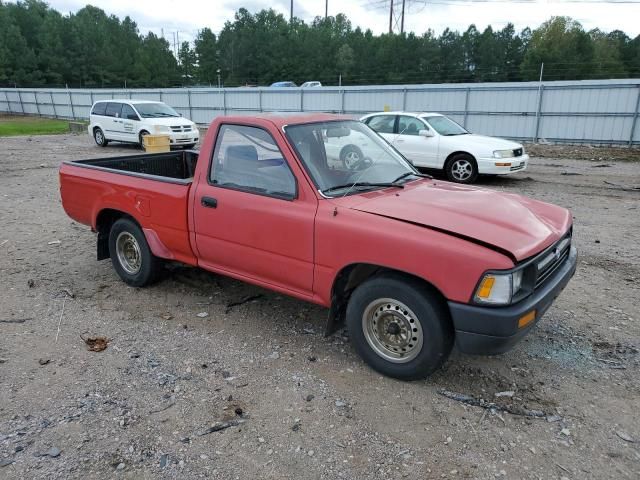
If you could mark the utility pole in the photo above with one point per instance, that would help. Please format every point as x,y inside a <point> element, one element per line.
<point>390,16</point>
<point>291,13</point>
<point>402,19</point>
<point>326,9</point>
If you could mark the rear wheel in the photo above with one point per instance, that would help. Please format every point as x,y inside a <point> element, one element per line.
<point>130,254</point>
<point>399,327</point>
<point>98,136</point>
<point>462,168</point>
<point>351,156</point>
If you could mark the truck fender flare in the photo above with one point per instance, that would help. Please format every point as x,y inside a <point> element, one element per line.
<point>155,244</point>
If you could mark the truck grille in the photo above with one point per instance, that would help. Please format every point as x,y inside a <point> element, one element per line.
<point>552,259</point>
<point>181,128</point>
<point>517,152</point>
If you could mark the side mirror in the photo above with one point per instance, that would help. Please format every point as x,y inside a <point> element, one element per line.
<point>425,133</point>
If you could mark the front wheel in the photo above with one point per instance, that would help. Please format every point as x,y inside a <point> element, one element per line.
<point>462,168</point>
<point>399,327</point>
<point>143,134</point>
<point>130,254</point>
<point>98,136</point>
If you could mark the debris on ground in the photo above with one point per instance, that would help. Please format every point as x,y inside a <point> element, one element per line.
<point>202,315</point>
<point>216,427</point>
<point>479,402</point>
<point>96,344</point>
<point>247,299</point>
<point>625,436</point>
<point>14,320</point>
<point>44,361</point>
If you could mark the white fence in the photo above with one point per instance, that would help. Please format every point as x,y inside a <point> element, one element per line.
<point>588,111</point>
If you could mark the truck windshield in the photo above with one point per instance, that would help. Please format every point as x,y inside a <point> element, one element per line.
<point>445,126</point>
<point>346,157</point>
<point>155,110</point>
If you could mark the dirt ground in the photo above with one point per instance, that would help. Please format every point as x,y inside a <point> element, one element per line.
<point>180,359</point>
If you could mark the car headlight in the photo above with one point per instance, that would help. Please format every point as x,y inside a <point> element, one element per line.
<point>162,129</point>
<point>503,154</point>
<point>498,288</point>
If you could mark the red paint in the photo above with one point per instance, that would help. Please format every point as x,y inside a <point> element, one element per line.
<point>298,247</point>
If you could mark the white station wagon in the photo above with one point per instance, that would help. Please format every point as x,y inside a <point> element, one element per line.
<point>130,120</point>
<point>432,140</point>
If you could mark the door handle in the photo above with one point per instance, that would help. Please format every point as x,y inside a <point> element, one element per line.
<point>209,202</point>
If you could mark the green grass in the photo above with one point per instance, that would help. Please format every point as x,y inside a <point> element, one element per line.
<point>18,125</point>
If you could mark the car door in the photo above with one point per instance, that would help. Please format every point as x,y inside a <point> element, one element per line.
<point>129,122</point>
<point>250,218</point>
<point>113,128</point>
<point>420,150</point>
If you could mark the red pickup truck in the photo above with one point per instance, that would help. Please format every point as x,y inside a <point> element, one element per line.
<point>412,264</point>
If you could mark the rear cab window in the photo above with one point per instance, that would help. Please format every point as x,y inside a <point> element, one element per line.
<point>99,108</point>
<point>248,159</point>
<point>113,109</point>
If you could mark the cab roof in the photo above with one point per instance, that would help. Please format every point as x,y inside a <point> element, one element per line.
<point>283,119</point>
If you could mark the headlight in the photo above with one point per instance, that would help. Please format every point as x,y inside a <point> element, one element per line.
<point>503,154</point>
<point>162,129</point>
<point>499,288</point>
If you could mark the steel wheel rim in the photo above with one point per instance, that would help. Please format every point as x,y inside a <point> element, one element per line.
<point>128,252</point>
<point>397,344</point>
<point>99,137</point>
<point>461,169</point>
<point>351,158</point>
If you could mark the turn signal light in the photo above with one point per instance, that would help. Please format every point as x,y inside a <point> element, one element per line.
<point>485,288</point>
<point>508,164</point>
<point>527,319</point>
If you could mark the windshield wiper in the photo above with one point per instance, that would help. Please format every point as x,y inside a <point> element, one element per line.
<point>362,184</point>
<point>406,174</point>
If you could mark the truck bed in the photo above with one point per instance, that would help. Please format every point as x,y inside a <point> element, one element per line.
<point>174,167</point>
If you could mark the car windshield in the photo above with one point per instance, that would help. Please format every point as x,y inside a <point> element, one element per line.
<point>155,110</point>
<point>445,126</point>
<point>346,157</point>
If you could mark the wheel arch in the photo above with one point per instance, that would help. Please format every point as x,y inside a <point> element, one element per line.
<point>104,221</point>
<point>353,275</point>
<point>459,152</point>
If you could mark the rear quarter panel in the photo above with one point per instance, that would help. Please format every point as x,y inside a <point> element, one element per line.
<point>159,207</point>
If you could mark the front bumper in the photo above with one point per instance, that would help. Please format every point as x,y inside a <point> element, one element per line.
<point>494,330</point>
<point>186,138</point>
<point>488,166</point>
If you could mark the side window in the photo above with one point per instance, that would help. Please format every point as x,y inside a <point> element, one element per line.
<point>113,109</point>
<point>99,108</point>
<point>410,125</point>
<point>129,113</point>
<point>248,159</point>
<point>382,123</point>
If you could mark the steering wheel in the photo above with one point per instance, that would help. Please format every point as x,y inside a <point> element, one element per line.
<point>361,164</point>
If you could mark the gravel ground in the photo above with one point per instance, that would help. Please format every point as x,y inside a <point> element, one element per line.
<point>181,365</point>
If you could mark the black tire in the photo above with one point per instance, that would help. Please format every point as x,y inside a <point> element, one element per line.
<point>100,139</point>
<point>140,136</point>
<point>350,155</point>
<point>426,314</point>
<point>461,168</point>
<point>149,266</point>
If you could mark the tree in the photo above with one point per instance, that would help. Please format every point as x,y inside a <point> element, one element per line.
<point>187,59</point>
<point>206,50</point>
<point>344,60</point>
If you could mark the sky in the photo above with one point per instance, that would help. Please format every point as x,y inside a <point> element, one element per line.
<point>188,16</point>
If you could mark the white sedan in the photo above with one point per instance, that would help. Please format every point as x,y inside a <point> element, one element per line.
<point>432,140</point>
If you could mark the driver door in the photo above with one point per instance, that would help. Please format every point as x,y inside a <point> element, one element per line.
<point>251,219</point>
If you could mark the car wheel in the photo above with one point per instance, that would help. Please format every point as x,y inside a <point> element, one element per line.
<point>141,136</point>
<point>350,155</point>
<point>399,327</point>
<point>98,136</point>
<point>462,168</point>
<point>130,254</point>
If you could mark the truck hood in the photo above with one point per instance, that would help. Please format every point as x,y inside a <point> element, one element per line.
<point>517,226</point>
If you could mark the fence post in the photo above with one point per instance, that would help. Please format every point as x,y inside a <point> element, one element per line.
<point>35,97</point>
<point>466,107</point>
<point>635,119</point>
<point>404,99</point>
<point>21,104</point>
<point>73,112</point>
<point>301,100</point>
<point>53,104</point>
<point>538,112</point>
<point>91,97</point>
<point>6,95</point>
<point>260,99</point>
<point>342,102</point>
<point>189,99</point>
<point>224,101</point>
